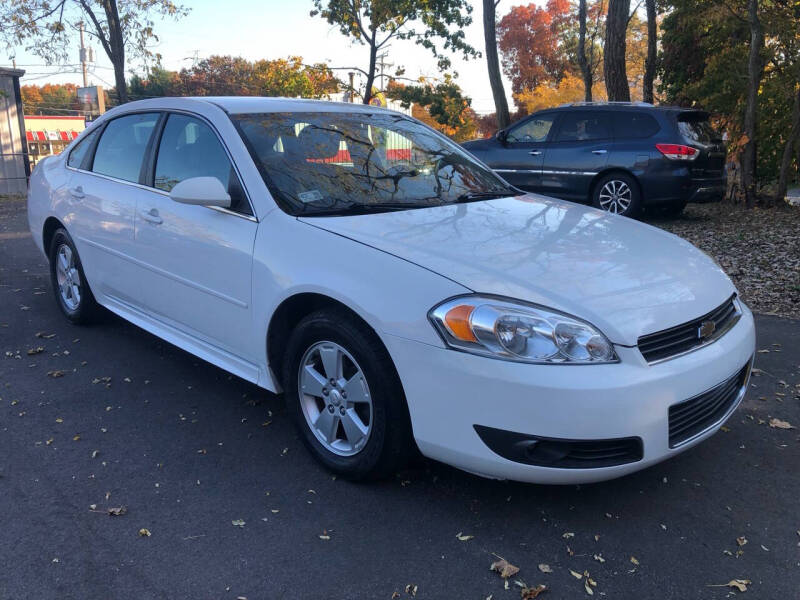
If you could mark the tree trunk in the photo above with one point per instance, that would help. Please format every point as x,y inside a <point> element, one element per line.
<point>650,61</point>
<point>373,59</point>
<point>614,54</point>
<point>586,70</point>
<point>115,48</point>
<point>788,150</point>
<point>493,63</point>
<point>755,67</point>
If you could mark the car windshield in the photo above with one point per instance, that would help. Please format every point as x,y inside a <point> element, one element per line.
<point>324,163</point>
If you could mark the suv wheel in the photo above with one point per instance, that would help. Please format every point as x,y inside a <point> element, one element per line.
<point>73,295</point>
<point>619,194</point>
<point>345,396</point>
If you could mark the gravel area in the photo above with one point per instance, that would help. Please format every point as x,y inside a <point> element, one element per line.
<point>759,249</point>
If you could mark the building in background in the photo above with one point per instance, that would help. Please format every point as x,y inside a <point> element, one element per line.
<point>50,134</point>
<point>14,165</point>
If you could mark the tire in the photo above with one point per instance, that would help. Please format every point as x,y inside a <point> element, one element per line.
<point>618,193</point>
<point>70,287</point>
<point>379,405</point>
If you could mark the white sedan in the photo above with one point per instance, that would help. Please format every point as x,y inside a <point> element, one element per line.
<point>393,288</point>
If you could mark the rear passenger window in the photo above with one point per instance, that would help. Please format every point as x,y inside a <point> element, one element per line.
<point>583,126</point>
<point>122,146</point>
<point>78,153</point>
<point>634,125</point>
<point>189,148</point>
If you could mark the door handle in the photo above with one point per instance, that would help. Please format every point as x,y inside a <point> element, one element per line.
<point>152,216</point>
<point>77,192</point>
<point>535,152</point>
<point>599,151</point>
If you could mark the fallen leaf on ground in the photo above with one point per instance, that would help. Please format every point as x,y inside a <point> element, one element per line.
<point>567,535</point>
<point>599,558</point>
<point>36,350</point>
<point>55,374</point>
<point>504,568</point>
<point>238,523</point>
<point>634,560</point>
<point>145,532</point>
<point>530,593</point>
<point>576,575</point>
<point>739,584</point>
<point>411,589</point>
<point>464,538</point>
<point>741,540</point>
<point>545,568</point>
<point>778,424</point>
<point>117,511</point>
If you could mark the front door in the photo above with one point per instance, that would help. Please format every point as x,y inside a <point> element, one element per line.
<point>577,153</point>
<point>196,261</point>
<point>519,160</point>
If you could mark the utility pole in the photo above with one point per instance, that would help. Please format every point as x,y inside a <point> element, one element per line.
<point>351,93</point>
<point>382,58</point>
<point>83,56</point>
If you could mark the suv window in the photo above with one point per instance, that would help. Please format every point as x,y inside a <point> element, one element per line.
<point>583,126</point>
<point>534,129</point>
<point>696,127</point>
<point>634,125</point>
<point>78,153</point>
<point>189,148</point>
<point>122,146</point>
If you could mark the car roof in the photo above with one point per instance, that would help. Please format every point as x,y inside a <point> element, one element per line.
<point>256,104</point>
<point>623,106</point>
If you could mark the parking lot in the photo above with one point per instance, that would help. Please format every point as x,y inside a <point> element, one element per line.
<point>220,499</point>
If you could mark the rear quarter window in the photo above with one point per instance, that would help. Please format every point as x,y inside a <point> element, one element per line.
<point>634,125</point>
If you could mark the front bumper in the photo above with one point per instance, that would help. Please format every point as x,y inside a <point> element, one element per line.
<point>449,392</point>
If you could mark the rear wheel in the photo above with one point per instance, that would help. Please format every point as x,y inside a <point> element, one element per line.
<point>345,396</point>
<point>73,295</point>
<point>618,193</point>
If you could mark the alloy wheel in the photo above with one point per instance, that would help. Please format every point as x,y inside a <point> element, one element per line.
<point>68,277</point>
<point>335,398</point>
<point>615,196</point>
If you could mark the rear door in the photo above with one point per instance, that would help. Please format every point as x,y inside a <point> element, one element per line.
<point>104,186</point>
<point>577,153</point>
<point>196,261</point>
<point>519,160</point>
<point>697,131</point>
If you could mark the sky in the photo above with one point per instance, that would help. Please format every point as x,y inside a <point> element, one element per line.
<point>271,29</point>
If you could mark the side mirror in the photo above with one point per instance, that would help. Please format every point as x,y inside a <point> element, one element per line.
<point>502,136</point>
<point>201,191</point>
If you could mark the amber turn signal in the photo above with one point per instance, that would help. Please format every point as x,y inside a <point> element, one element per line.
<point>457,321</point>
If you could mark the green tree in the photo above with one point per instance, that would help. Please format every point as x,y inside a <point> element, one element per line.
<point>377,22</point>
<point>122,27</point>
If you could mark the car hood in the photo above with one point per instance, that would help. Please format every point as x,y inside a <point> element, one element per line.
<point>627,278</point>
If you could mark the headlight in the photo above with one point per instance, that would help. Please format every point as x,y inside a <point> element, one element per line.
<point>503,329</point>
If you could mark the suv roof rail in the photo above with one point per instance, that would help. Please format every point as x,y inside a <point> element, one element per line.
<point>606,103</point>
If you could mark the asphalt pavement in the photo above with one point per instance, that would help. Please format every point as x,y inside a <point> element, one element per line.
<point>222,501</point>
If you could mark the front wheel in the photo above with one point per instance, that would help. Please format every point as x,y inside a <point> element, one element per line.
<point>346,399</point>
<point>619,194</point>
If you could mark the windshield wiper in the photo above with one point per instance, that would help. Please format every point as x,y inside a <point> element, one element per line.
<point>360,209</point>
<point>477,196</point>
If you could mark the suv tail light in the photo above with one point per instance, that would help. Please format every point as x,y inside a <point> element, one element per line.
<point>677,151</point>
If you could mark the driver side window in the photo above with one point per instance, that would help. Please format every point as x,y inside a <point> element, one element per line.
<point>534,129</point>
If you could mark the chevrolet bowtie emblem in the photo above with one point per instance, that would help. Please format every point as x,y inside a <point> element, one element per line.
<point>706,329</point>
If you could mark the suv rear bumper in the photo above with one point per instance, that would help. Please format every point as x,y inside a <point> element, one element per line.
<point>707,190</point>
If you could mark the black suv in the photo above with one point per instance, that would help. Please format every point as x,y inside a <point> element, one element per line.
<point>620,157</point>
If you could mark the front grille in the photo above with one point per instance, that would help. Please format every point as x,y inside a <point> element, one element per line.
<point>697,414</point>
<point>558,452</point>
<point>677,340</point>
